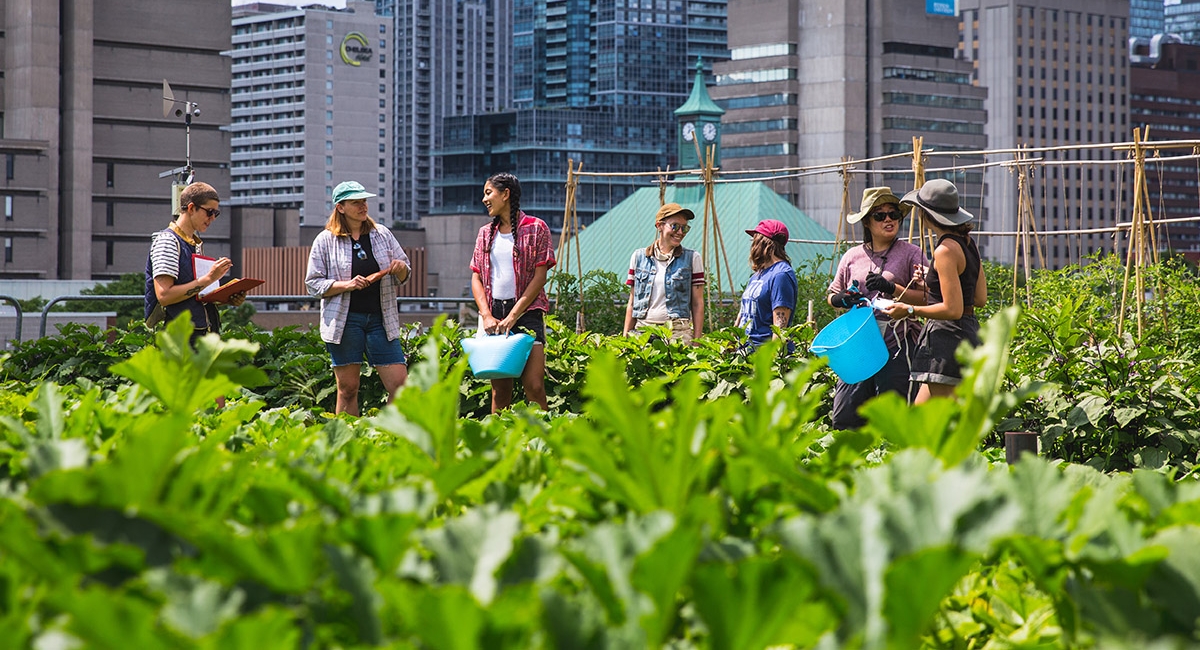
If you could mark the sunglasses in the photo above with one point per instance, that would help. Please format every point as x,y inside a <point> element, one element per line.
<point>881,216</point>
<point>212,213</point>
<point>676,227</point>
<point>358,250</point>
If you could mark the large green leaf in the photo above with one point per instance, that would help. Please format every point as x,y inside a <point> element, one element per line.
<point>757,602</point>
<point>468,550</point>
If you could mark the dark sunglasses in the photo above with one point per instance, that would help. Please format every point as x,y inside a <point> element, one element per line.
<point>212,213</point>
<point>683,228</point>
<point>362,254</point>
<point>893,215</point>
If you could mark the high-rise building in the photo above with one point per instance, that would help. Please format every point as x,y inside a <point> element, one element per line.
<point>1063,66</point>
<point>860,80</point>
<point>1164,95</point>
<point>82,132</point>
<point>1183,18</point>
<point>1146,18</point>
<point>312,106</point>
<point>451,58</point>
<point>594,81</point>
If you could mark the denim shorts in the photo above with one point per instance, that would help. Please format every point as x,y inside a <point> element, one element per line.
<point>364,334</point>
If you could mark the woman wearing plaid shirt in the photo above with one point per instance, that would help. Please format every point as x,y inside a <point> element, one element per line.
<point>508,276</point>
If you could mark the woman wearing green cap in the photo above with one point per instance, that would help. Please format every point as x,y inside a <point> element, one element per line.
<point>666,280</point>
<point>355,266</point>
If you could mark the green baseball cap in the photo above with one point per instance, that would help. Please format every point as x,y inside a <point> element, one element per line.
<point>349,190</point>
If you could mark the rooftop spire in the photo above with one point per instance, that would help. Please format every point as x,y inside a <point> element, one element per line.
<point>699,103</point>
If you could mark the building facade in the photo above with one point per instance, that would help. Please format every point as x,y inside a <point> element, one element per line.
<point>1164,95</point>
<point>1183,18</point>
<point>593,81</point>
<point>1064,66</point>
<point>1146,18</point>
<point>83,136</point>
<point>451,58</point>
<point>311,106</point>
<point>860,81</point>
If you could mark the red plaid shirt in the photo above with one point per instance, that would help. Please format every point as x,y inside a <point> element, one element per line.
<point>531,249</point>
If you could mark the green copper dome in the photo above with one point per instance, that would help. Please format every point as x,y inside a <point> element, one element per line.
<point>699,103</point>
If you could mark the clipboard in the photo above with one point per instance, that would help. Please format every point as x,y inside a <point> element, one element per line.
<point>222,294</point>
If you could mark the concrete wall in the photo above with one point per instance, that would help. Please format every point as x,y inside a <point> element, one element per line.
<point>449,241</point>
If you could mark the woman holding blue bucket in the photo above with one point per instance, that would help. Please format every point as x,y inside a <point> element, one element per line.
<point>956,286</point>
<point>882,267</point>
<point>508,278</point>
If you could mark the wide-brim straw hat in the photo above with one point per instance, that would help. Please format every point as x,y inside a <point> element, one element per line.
<point>874,197</point>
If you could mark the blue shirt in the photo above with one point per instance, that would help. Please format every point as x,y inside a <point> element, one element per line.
<point>774,286</point>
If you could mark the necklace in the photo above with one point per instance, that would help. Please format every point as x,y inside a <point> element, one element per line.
<point>882,256</point>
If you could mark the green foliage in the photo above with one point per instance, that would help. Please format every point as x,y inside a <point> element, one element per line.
<point>129,284</point>
<point>604,299</point>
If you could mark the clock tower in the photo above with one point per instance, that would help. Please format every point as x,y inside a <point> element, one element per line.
<point>699,121</point>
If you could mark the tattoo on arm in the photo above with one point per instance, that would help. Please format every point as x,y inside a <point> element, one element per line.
<point>193,291</point>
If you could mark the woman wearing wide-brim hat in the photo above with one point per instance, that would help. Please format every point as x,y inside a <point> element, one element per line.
<point>956,286</point>
<point>884,266</point>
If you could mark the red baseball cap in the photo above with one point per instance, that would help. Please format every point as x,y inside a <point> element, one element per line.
<point>771,229</point>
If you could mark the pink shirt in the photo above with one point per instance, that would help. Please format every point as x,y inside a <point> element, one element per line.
<point>896,265</point>
<point>531,249</point>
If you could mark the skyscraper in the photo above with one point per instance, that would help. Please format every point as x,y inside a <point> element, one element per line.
<point>1059,76</point>
<point>452,58</point>
<point>594,81</point>
<point>1146,18</point>
<point>83,137</point>
<point>312,90</point>
<point>1183,18</point>
<point>859,80</point>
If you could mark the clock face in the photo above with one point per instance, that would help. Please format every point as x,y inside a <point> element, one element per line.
<point>710,131</point>
<point>689,131</point>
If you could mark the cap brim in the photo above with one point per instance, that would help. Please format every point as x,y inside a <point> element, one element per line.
<point>752,232</point>
<point>355,195</point>
<point>951,219</point>
<point>685,213</point>
<point>886,198</point>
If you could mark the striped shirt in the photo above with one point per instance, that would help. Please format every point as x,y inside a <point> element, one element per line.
<point>164,254</point>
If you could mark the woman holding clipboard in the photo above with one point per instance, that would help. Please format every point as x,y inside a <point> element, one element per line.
<point>355,266</point>
<point>172,285</point>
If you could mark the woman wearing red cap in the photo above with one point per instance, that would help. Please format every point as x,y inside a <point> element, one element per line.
<point>666,280</point>
<point>956,287</point>
<point>770,295</point>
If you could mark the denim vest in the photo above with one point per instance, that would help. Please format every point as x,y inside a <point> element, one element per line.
<point>678,284</point>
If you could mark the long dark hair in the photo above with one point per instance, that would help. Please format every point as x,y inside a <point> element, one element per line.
<point>762,249</point>
<point>506,181</point>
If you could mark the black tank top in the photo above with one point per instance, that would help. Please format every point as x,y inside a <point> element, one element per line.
<point>968,278</point>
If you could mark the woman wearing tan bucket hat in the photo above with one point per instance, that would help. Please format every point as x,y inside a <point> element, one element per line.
<point>666,280</point>
<point>956,286</point>
<point>884,266</point>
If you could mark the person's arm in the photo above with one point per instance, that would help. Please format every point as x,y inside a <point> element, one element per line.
<point>485,310</point>
<point>628,327</point>
<point>697,310</point>
<point>949,261</point>
<point>318,278</point>
<point>400,268</point>
<point>780,317</point>
<point>170,293</point>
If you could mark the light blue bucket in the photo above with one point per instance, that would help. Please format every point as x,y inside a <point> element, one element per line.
<point>853,345</point>
<point>498,357</point>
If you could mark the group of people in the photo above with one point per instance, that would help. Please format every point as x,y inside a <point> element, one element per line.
<point>356,265</point>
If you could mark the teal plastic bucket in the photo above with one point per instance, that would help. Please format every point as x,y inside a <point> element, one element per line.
<point>853,345</point>
<point>498,357</point>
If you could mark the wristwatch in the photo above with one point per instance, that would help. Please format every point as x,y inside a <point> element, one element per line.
<point>910,311</point>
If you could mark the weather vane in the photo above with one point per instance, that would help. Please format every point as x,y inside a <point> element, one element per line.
<point>182,176</point>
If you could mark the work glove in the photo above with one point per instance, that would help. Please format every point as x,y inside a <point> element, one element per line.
<point>876,282</point>
<point>848,298</point>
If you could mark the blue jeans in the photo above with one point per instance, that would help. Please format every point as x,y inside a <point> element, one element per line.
<point>364,335</point>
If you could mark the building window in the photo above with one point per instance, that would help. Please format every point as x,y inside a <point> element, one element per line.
<point>8,250</point>
<point>382,163</point>
<point>109,214</point>
<point>108,253</point>
<point>109,175</point>
<point>10,166</point>
<point>8,210</point>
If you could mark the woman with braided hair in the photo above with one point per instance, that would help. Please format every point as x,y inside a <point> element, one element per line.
<point>508,278</point>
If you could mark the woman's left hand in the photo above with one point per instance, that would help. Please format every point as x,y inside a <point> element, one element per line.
<point>399,270</point>
<point>897,311</point>
<point>505,326</point>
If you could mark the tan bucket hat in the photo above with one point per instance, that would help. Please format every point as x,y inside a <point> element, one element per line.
<point>874,197</point>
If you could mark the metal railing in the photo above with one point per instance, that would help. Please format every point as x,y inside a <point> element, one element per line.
<point>433,300</point>
<point>20,316</point>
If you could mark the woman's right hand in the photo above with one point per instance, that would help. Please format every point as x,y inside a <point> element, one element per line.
<point>218,271</point>
<point>353,284</point>
<point>490,323</point>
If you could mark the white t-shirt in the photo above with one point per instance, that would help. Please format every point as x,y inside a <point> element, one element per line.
<point>504,275</point>
<point>656,311</point>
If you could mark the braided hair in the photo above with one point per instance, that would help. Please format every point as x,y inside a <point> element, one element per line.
<point>506,181</point>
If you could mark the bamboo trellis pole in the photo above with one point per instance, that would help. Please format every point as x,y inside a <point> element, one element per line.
<point>570,235</point>
<point>841,224</point>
